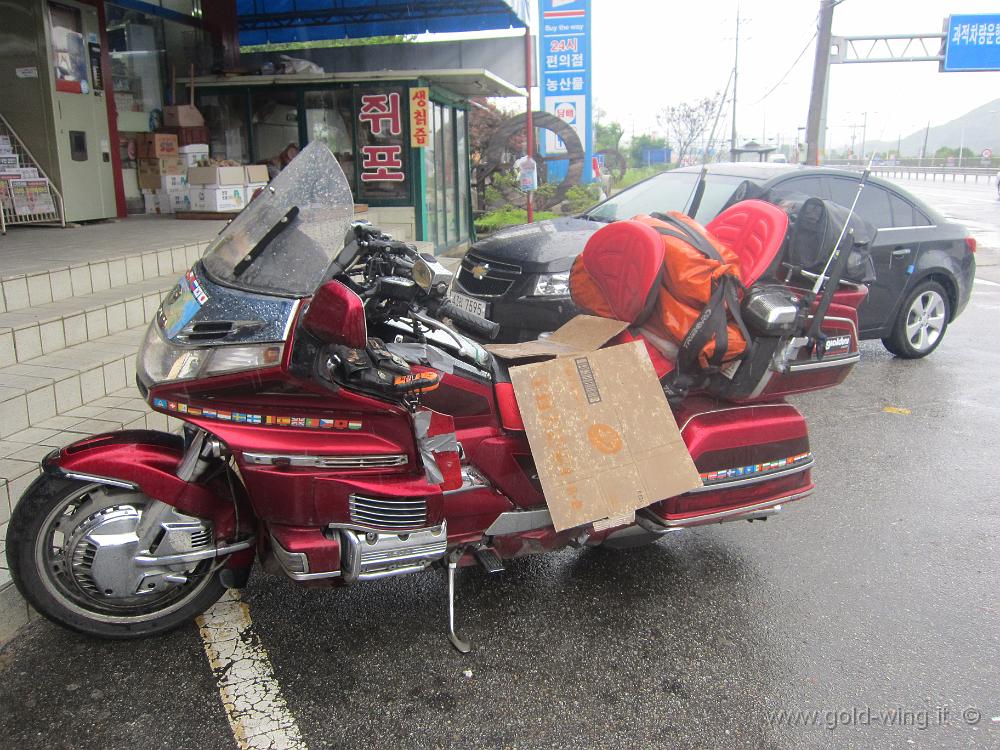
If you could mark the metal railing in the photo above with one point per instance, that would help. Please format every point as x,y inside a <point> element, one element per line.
<point>922,172</point>
<point>942,174</point>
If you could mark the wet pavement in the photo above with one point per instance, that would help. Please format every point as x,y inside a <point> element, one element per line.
<point>869,614</point>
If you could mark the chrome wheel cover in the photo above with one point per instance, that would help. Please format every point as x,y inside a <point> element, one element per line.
<point>85,555</point>
<point>925,320</point>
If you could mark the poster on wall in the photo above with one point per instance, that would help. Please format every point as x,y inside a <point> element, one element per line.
<point>382,146</point>
<point>70,58</point>
<point>565,75</point>
<point>31,197</point>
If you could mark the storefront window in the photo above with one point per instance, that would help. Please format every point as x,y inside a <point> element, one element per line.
<point>330,118</point>
<point>442,212</point>
<point>225,118</point>
<point>382,143</point>
<point>148,53</point>
<point>430,177</point>
<point>462,152</point>
<point>275,122</point>
<point>449,172</point>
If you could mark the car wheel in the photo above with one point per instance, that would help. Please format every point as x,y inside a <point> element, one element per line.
<point>921,323</point>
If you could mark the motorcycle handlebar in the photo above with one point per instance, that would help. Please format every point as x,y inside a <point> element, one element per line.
<point>471,323</point>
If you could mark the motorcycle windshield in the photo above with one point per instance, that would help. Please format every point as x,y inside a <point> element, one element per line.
<point>283,242</point>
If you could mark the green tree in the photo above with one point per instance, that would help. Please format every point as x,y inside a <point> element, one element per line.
<point>945,151</point>
<point>323,43</point>
<point>607,136</point>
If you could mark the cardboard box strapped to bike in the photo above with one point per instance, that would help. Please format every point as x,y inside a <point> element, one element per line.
<point>603,437</point>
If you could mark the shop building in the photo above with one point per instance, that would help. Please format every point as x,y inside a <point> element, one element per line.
<point>82,80</point>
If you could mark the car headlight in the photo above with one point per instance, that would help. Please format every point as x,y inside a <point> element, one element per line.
<point>160,361</point>
<point>552,285</point>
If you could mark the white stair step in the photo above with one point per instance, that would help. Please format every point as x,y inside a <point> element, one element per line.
<point>56,383</point>
<point>30,332</point>
<point>30,290</point>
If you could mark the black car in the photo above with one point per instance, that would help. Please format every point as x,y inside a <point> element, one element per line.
<point>924,264</point>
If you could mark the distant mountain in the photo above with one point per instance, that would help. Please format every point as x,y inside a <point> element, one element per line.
<point>982,130</point>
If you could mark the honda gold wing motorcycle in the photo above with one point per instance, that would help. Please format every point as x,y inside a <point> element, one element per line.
<point>342,422</point>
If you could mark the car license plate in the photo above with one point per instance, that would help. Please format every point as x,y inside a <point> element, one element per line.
<point>469,304</point>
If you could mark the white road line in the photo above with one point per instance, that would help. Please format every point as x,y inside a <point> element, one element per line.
<point>984,281</point>
<point>257,712</point>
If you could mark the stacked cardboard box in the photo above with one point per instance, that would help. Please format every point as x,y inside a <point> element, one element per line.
<point>157,156</point>
<point>224,189</point>
<point>188,136</point>
<point>162,173</point>
<point>193,155</point>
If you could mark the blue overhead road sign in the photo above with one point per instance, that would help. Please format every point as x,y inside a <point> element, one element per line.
<point>972,43</point>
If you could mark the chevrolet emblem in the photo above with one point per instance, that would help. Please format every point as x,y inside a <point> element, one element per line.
<point>480,271</point>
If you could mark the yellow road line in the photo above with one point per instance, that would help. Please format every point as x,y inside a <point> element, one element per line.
<point>251,696</point>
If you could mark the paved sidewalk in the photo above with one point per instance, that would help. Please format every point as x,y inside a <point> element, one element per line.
<point>29,249</point>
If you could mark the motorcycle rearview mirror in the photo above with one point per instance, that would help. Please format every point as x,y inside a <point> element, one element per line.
<point>336,315</point>
<point>431,276</point>
<point>349,253</point>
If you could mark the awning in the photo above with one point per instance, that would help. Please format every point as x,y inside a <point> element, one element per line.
<point>464,82</point>
<point>281,21</point>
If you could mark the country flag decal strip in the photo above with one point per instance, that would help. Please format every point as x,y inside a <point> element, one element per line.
<point>222,415</point>
<point>739,472</point>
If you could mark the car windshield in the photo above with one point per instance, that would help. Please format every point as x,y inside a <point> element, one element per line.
<point>670,191</point>
<point>283,242</point>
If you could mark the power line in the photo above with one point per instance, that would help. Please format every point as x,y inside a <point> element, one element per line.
<point>790,69</point>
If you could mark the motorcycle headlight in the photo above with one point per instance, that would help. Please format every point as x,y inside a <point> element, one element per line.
<point>552,285</point>
<point>160,361</point>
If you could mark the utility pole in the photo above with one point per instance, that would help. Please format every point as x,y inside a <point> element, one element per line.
<point>821,72</point>
<point>736,66</point>
<point>864,136</point>
<point>529,53</point>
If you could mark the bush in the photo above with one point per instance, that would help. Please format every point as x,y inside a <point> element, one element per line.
<point>581,197</point>
<point>508,217</point>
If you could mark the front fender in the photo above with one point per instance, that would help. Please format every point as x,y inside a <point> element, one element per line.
<point>148,460</point>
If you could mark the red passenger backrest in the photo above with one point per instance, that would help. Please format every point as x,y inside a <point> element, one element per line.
<point>754,230</point>
<point>622,263</point>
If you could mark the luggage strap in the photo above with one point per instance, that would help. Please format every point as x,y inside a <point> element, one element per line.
<point>711,324</point>
<point>687,234</point>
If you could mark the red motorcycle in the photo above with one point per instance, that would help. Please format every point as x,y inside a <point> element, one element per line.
<point>339,431</point>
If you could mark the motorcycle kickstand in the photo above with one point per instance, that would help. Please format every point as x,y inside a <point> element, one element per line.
<point>461,646</point>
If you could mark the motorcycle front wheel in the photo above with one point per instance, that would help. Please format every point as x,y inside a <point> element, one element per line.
<point>73,549</point>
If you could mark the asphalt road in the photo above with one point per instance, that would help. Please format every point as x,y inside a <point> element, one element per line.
<point>873,608</point>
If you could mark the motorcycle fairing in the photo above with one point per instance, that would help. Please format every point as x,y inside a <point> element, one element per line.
<point>149,460</point>
<point>200,312</point>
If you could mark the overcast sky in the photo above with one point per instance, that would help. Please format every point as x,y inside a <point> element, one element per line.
<point>651,54</point>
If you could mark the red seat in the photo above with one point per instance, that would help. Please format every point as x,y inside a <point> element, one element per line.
<point>754,230</point>
<point>625,260</point>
